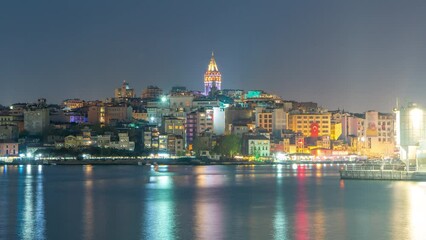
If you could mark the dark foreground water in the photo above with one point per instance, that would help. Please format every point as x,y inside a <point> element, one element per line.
<point>205,202</point>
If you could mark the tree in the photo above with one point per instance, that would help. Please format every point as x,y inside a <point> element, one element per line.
<point>228,145</point>
<point>200,143</point>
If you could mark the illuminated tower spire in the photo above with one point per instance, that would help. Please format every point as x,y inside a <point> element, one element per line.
<point>212,77</point>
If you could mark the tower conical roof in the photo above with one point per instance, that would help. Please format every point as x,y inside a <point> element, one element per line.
<point>212,64</point>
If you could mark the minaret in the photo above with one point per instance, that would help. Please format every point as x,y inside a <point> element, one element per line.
<point>212,77</point>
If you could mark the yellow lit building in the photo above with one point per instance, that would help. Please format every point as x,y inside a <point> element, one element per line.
<point>336,130</point>
<point>73,103</point>
<point>264,120</point>
<point>301,122</point>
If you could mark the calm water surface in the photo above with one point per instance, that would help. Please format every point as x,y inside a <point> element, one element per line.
<point>205,202</point>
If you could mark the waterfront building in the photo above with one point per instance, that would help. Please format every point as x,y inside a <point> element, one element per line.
<point>376,134</point>
<point>151,136</point>
<point>256,145</point>
<point>73,141</point>
<point>123,143</point>
<point>103,141</point>
<point>124,92</point>
<point>212,77</point>
<point>411,133</point>
<point>175,145</point>
<point>8,148</point>
<point>163,141</point>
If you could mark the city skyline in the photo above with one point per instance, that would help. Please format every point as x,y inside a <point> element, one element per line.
<point>351,56</point>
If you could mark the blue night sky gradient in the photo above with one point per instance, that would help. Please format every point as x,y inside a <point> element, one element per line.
<point>356,55</point>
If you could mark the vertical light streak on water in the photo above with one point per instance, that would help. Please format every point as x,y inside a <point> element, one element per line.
<point>4,203</point>
<point>40,220</point>
<point>160,210</point>
<point>319,222</point>
<point>400,217</point>
<point>88,215</point>
<point>417,213</point>
<point>208,209</point>
<point>280,222</point>
<point>27,228</point>
<point>301,218</point>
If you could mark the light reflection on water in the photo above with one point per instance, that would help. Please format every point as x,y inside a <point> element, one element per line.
<point>417,203</point>
<point>4,204</point>
<point>88,207</point>
<point>280,222</point>
<point>159,216</point>
<point>212,202</point>
<point>31,210</point>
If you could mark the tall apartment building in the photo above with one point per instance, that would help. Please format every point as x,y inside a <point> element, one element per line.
<point>151,92</point>
<point>197,122</point>
<point>273,120</point>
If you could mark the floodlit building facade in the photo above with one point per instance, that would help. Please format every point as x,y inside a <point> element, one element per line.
<point>303,123</point>
<point>411,134</point>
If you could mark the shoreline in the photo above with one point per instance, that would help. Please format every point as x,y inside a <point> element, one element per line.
<point>194,162</point>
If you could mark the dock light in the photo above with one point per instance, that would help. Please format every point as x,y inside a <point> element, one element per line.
<point>281,156</point>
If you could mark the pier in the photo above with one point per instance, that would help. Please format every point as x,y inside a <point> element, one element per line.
<point>381,172</point>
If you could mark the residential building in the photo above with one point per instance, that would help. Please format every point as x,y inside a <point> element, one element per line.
<point>151,92</point>
<point>73,103</point>
<point>124,91</point>
<point>123,143</point>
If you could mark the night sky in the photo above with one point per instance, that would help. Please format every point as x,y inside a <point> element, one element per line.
<point>353,55</point>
